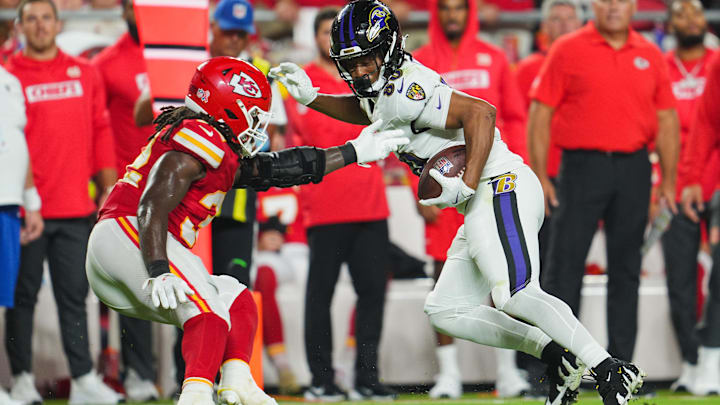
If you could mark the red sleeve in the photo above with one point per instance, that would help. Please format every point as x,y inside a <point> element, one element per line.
<point>201,141</point>
<point>550,85</point>
<point>664,97</point>
<point>103,141</point>
<point>512,112</point>
<point>704,134</point>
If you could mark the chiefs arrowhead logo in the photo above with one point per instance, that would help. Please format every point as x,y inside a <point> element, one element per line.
<point>244,85</point>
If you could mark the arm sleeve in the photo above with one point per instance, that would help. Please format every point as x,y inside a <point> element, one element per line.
<point>550,85</point>
<point>103,141</point>
<point>286,168</point>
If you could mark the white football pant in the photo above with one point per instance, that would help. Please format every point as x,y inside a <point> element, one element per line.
<point>496,252</point>
<point>116,272</point>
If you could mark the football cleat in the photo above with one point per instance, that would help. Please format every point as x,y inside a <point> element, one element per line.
<point>564,380</point>
<point>707,380</point>
<point>510,383</point>
<point>23,389</point>
<point>90,389</point>
<point>447,386</point>
<point>372,392</point>
<point>238,387</point>
<point>325,393</point>
<point>617,381</point>
<point>686,381</point>
<point>139,390</point>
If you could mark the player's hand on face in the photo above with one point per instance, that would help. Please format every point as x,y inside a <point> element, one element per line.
<point>551,200</point>
<point>692,202</point>
<point>429,213</point>
<point>373,144</point>
<point>167,291</point>
<point>296,81</point>
<point>33,227</point>
<point>454,191</point>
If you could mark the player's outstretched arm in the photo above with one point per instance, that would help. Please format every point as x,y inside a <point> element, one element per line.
<point>303,165</point>
<point>168,182</point>
<point>296,81</point>
<point>477,119</point>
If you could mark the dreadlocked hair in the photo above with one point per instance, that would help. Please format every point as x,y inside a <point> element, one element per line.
<point>172,117</point>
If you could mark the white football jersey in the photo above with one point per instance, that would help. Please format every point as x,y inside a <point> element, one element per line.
<point>417,100</point>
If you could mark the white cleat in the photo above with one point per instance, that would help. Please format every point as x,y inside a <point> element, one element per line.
<point>6,400</point>
<point>447,386</point>
<point>139,390</point>
<point>707,372</point>
<point>686,381</point>
<point>510,383</point>
<point>196,398</point>
<point>238,387</point>
<point>24,391</point>
<point>90,389</point>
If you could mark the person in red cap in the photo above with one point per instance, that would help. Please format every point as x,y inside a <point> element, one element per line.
<point>139,260</point>
<point>479,69</point>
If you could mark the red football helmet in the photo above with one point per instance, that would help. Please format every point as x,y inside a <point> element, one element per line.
<point>236,93</point>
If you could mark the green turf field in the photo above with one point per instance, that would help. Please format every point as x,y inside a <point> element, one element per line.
<point>663,398</point>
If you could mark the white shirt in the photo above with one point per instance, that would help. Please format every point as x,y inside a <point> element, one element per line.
<point>14,156</point>
<point>417,101</point>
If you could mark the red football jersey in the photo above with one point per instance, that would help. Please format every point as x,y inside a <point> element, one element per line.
<point>199,206</point>
<point>285,204</point>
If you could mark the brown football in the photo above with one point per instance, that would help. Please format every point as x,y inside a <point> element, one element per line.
<point>450,162</point>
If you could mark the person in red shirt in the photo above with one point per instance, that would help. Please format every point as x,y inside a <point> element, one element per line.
<point>480,69</point>
<point>604,94</point>
<point>704,140</point>
<point>559,17</point>
<point>122,68</point>
<point>70,142</point>
<point>355,229</point>
<point>688,74</point>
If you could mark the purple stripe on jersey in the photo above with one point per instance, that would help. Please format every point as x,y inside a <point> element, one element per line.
<point>513,238</point>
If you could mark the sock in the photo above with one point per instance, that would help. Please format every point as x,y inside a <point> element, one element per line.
<point>203,341</point>
<point>505,360</point>
<point>447,359</point>
<point>604,365</point>
<point>279,358</point>
<point>195,385</point>
<point>244,320</point>
<point>266,284</point>
<point>552,354</point>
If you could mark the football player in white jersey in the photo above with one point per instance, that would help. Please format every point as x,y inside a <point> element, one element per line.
<point>496,250</point>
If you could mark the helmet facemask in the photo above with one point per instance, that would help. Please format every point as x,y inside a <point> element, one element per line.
<point>362,86</point>
<point>253,138</point>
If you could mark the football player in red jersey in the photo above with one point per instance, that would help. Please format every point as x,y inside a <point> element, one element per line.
<point>139,261</point>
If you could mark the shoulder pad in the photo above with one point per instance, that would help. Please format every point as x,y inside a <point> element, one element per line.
<point>201,140</point>
<point>408,91</point>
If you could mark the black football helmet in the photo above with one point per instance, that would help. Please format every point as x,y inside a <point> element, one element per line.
<point>362,28</point>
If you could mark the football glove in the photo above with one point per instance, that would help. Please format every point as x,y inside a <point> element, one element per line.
<point>167,290</point>
<point>296,81</point>
<point>372,145</point>
<point>454,191</point>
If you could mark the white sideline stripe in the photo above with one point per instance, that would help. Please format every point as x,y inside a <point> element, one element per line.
<point>176,54</point>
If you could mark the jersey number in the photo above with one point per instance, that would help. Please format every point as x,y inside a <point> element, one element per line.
<point>211,201</point>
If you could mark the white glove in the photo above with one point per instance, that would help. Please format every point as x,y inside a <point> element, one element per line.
<point>168,290</point>
<point>296,81</point>
<point>372,145</point>
<point>454,191</point>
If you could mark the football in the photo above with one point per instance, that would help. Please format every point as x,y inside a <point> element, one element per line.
<point>450,162</point>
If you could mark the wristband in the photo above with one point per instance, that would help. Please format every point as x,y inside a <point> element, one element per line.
<point>31,199</point>
<point>348,153</point>
<point>158,267</point>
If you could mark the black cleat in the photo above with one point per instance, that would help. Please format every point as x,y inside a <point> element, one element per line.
<point>325,393</point>
<point>564,380</point>
<point>372,392</point>
<point>617,381</point>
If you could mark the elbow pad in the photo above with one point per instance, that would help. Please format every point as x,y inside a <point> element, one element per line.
<point>286,168</point>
